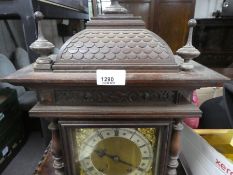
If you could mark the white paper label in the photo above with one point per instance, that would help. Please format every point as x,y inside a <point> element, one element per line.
<point>110,77</point>
<point>5,151</point>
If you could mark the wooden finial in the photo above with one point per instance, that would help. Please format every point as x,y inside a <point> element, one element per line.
<point>115,8</point>
<point>42,46</point>
<point>188,52</point>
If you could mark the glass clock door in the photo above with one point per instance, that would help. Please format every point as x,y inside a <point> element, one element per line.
<point>114,151</point>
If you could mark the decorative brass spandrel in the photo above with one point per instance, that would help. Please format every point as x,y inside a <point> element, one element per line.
<point>150,134</point>
<point>80,135</point>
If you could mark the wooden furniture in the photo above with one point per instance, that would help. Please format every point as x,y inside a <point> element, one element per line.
<point>170,21</point>
<point>166,18</point>
<point>130,127</point>
<point>24,10</point>
<point>213,37</point>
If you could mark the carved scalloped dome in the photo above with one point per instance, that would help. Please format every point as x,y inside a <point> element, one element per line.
<point>111,44</point>
<point>115,45</point>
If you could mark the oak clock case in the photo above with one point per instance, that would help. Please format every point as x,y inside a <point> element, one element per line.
<point>129,130</point>
<point>114,150</point>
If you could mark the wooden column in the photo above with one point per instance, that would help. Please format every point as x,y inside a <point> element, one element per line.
<point>58,164</point>
<point>175,148</point>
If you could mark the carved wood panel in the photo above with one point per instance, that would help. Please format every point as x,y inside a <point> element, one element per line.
<point>119,96</point>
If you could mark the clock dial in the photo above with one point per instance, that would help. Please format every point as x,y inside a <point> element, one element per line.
<point>116,151</point>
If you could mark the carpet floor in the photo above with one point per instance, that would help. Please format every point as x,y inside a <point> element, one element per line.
<point>25,162</point>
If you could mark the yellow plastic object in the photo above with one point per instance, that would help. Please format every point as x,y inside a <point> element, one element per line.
<point>220,139</point>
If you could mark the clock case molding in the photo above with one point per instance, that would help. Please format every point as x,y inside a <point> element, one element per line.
<point>164,135</point>
<point>158,90</point>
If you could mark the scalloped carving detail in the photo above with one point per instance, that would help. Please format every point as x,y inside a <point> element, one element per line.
<point>115,45</point>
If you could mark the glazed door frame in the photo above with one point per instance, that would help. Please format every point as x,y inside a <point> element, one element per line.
<point>165,127</point>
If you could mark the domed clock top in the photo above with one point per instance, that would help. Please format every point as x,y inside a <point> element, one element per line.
<point>117,48</point>
<point>117,40</point>
<point>114,40</point>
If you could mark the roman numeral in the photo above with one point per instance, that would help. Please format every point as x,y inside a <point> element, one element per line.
<point>132,135</point>
<point>116,132</point>
<point>142,145</point>
<point>100,135</point>
<point>146,158</point>
<point>90,169</point>
<point>141,169</point>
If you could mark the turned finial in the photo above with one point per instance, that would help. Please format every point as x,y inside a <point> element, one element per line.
<point>42,46</point>
<point>39,16</point>
<point>188,52</point>
<point>115,8</point>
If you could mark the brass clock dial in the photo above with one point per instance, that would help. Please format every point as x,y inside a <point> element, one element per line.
<point>116,151</point>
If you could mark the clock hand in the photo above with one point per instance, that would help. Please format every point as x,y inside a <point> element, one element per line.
<point>124,162</point>
<point>102,153</point>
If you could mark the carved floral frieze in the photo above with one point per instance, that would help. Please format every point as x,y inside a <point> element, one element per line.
<point>119,97</point>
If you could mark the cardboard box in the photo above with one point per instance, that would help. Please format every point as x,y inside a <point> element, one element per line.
<point>220,139</point>
<point>200,158</point>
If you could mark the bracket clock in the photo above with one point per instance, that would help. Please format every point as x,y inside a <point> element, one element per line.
<point>115,95</point>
